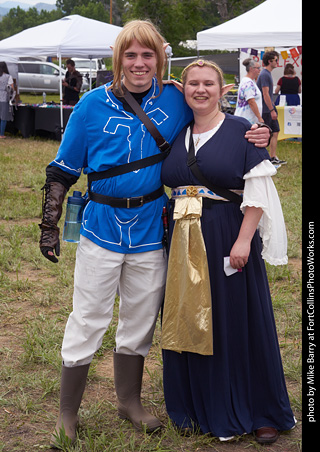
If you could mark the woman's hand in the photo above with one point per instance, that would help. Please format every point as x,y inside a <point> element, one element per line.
<point>239,253</point>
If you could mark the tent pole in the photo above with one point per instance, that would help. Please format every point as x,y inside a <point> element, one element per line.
<point>239,63</point>
<point>60,87</point>
<point>90,87</point>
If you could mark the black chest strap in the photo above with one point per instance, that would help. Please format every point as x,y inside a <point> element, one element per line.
<point>164,147</point>
<point>192,163</point>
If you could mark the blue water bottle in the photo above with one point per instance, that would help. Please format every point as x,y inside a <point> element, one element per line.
<point>72,224</point>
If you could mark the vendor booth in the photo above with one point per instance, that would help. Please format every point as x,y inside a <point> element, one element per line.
<point>73,35</point>
<point>290,122</point>
<point>272,24</point>
<point>42,120</point>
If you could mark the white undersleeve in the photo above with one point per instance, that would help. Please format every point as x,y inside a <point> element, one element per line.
<point>260,191</point>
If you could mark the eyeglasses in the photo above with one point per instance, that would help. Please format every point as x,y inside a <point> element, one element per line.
<point>257,67</point>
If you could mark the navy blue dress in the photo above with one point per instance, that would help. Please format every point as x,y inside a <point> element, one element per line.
<point>241,387</point>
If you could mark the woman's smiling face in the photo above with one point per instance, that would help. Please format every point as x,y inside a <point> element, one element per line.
<point>202,89</point>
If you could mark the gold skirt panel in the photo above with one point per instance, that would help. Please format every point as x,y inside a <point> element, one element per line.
<point>187,315</point>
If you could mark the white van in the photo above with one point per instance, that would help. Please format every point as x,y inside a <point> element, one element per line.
<point>83,65</point>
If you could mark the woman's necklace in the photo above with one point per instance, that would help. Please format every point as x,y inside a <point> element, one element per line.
<point>197,141</point>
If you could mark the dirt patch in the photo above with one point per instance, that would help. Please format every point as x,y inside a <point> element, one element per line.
<point>296,265</point>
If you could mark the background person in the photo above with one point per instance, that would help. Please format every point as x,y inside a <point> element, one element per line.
<point>6,82</point>
<point>249,101</point>
<point>72,84</point>
<point>222,366</point>
<point>289,85</point>
<point>269,111</point>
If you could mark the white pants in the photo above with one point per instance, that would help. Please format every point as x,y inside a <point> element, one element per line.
<point>99,273</point>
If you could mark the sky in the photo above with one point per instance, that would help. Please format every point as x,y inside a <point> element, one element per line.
<point>32,2</point>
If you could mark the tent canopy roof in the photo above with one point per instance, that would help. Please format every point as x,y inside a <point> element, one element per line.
<point>274,23</point>
<point>74,35</point>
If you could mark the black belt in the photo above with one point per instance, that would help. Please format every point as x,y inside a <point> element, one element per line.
<point>126,202</point>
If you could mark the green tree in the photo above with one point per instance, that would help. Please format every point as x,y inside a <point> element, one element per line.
<point>228,9</point>
<point>18,20</point>
<point>67,6</point>
<point>177,20</point>
<point>93,11</point>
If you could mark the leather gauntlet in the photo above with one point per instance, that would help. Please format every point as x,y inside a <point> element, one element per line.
<point>54,194</point>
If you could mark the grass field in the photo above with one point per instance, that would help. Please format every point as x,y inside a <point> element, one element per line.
<point>36,299</point>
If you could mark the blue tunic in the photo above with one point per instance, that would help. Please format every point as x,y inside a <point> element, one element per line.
<point>100,135</point>
<point>241,387</point>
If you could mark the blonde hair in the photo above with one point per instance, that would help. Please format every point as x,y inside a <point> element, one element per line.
<point>203,63</point>
<point>148,36</point>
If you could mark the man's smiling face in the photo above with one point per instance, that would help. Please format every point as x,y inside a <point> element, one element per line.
<point>139,65</point>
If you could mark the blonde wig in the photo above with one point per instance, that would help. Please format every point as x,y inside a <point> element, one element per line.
<point>148,36</point>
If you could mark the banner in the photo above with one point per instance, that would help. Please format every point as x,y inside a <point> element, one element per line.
<point>293,120</point>
<point>293,56</point>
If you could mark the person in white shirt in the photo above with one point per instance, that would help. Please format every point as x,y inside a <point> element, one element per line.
<point>249,102</point>
<point>6,82</point>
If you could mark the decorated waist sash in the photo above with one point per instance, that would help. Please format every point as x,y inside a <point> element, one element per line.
<point>198,190</point>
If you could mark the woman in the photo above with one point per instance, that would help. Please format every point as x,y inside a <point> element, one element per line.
<point>5,112</point>
<point>222,371</point>
<point>249,102</point>
<point>289,85</point>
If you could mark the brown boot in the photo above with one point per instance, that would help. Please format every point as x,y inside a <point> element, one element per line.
<point>73,382</point>
<point>128,371</point>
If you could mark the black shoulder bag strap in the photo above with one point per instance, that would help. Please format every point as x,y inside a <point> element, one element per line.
<point>161,142</point>
<point>192,163</point>
<point>163,145</point>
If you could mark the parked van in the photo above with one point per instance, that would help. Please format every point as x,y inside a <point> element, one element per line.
<point>41,76</point>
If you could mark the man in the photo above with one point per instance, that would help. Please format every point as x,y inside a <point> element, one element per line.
<point>269,111</point>
<point>121,234</point>
<point>72,84</point>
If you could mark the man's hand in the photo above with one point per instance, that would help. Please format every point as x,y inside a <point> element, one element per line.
<point>49,254</point>
<point>175,83</point>
<point>49,242</point>
<point>260,135</point>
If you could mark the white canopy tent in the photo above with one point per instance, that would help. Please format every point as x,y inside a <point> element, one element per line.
<point>274,23</point>
<point>74,35</point>
<point>71,36</point>
<point>8,58</point>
